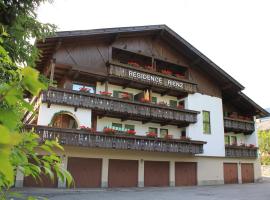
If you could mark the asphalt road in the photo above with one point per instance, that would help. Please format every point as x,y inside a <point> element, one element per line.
<point>256,191</point>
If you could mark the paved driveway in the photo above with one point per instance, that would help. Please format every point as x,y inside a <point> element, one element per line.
<point>257,191</point>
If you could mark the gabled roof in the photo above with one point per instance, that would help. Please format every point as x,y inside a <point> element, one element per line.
<point>164,32</point>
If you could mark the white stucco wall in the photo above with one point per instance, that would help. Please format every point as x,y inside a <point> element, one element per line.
<point>215,140</point>
<point>140,128</point>
<point>245,139</point>
<point>83,116</point>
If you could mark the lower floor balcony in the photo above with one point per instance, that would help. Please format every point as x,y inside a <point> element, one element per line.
<point>241,151</point>
<point>117,140</point>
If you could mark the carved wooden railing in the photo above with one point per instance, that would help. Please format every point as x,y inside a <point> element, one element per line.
<point>151,78</point>
<point>116,107</point>
<point>75,137</point>
<point>241,152</point>
<point>238,125</point>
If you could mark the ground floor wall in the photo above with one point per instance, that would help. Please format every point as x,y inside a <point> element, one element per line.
<point>209,170</point>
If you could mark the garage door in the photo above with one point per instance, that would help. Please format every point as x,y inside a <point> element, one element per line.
<point>185,173</point>
<point>156,174</point>
<point>85,171</point>
<point>230,173</point>
<point>123,173</point>
<point>247,171</point>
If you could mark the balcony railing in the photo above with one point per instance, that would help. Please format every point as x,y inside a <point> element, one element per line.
<point>238,125</point>
<point>84,138</point>
<point>150,78</point>
<point>241,152</point>
<point>120,108</point>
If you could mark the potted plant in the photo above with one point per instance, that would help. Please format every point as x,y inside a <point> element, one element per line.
<point>86,128</point>
<point>125,95</point>
<point>251,146</point>
<point>133,64</point>
<point>149,67</point>
<point>130,132</point>
<point>166,72</point>
<point>109,131</point>
<point>84,89</point>
<point>144,100</point>
<point>105,93</point>
<point>180,106</point>
<point>185,138</point>
<point>151,134</point>
<point>162,103</point>
<point>168,136</point>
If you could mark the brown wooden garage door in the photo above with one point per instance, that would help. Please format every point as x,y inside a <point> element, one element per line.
<point>85,171</point>
<point>123,173</point>
<point>156,173</point>
<point>185,173</point>
<point>230,173</point>
<point>247,171</point>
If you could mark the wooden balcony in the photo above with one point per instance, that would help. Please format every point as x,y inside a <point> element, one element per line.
<point>238,126</point>
<point>241,152</point>
<point>74,137</point>
<point>120,108</point>
<point>150,79</point>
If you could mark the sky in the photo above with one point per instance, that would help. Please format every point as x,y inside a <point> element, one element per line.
<point>234,34</point>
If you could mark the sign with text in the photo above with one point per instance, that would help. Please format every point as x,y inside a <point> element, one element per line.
<point>151,79</point>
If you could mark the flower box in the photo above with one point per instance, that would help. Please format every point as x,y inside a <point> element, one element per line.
<point>104,93</point>
<point>109,131</point>
<point>185,138</point>
<point>162,103</point>
<point>131,132</point>
<point>86,128</point>
<point>151,134</point>
<point>167,136</point>
<point>149,67</point>
<point>133,64</point>
<point>84,89</point>
<point>166,72</point>
<point>180,106</point>
<point>143,100</point>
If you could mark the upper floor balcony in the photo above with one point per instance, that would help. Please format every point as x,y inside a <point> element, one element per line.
<point>93,139</point>
<point>121,108</point>
<point>238,125</point>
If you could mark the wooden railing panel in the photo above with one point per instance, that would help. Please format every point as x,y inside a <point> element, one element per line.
<point>119,106</point>
<point>236,125</point>
<point>76,137</point>
<point>241,152</point>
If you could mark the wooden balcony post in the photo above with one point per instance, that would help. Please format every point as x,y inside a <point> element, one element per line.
<point>52,71</point>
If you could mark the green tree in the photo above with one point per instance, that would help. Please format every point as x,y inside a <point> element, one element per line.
<point>264,146</point>
<point>18,80</point>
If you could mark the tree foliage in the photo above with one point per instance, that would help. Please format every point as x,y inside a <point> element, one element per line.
<point>264,146</point>
<point>18,79</point>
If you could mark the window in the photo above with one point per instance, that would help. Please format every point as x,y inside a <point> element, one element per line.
<point>227,139</point>
<point>129,127</point>
<point>173,103</point>
<point>154,99</point>
<point>183,133</point>
<point>122,95</point>
<point>151,129</point>
<point>206,122</point>
<point>233,140</point>
<point>163,132</point>
<point>83,87</point>
<point>117,126</point>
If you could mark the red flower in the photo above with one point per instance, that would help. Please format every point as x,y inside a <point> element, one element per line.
<point>84,89</point>
<point>185,138</point>
<point>134,64</point>
<point>131,132</point>
<point>151,134</point>
<point>251,145</point>
<point>166,71</point>
<point>105,93</point>
<point>109,130</point>
<point>149,67</point>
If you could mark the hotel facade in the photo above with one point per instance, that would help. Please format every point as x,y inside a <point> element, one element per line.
<point>141,107</point>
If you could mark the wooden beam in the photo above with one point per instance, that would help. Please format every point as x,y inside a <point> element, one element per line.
<point>52,71</point>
